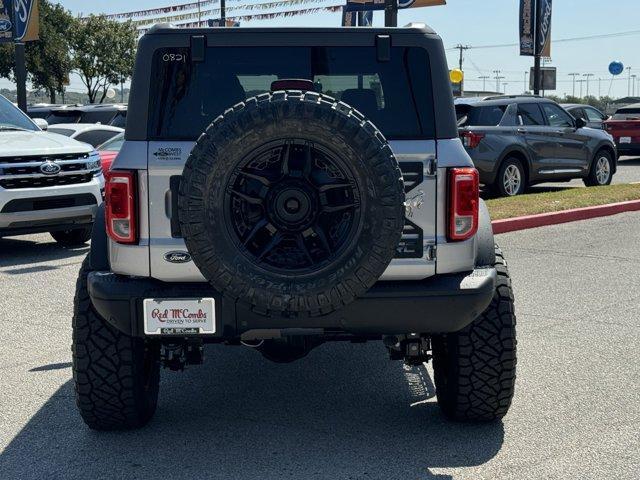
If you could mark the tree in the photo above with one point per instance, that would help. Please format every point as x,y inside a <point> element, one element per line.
<point>103,53</point>
<point>48,59</point>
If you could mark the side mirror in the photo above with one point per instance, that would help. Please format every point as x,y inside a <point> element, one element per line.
<point>581,123</point>
<point>41,123</point>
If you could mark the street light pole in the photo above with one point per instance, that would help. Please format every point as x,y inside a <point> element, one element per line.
<point>497,77</point>
<point>526,87</point>
<point>587,75</point>
<point>223,14</point>
<point>629,88</point>
<point>581,82</point>
<point>484,82</point>
<point>633,83</point>
<point>574,75</point>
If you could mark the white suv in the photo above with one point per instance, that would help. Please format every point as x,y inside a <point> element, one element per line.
<point>48,182</point>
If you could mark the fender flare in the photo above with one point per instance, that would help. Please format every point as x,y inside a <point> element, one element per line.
<point>485,244</point>
<point>99,254</point>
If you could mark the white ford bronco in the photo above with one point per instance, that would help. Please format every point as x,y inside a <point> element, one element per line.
<point>48,182</point>
<point>281,188</point>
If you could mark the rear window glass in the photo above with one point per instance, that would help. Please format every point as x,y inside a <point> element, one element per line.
<point>120,120</point>
<point>395,95</point>
<point>103,117</point>
<point>63,117</point>
<point>485,116</point>
<point>627,114</point>
<point>61,131</point>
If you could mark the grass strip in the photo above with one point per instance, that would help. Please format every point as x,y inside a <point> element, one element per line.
<point>567,199</point>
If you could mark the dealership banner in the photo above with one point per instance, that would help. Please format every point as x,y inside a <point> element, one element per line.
<point>543,34</point>
<point>527,27</point>
<point>6,21</point>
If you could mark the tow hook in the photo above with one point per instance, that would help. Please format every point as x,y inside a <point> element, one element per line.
<point>176,356</point>
<point>412,348</point>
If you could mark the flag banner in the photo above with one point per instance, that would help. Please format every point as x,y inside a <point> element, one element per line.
<point>259,16</point>
<point>527,27</point>
<point>370,5</point>
<point>215,12</point>
<point>6,21</point>
<point>543,35</point>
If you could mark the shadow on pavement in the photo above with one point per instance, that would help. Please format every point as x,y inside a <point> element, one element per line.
<point>345,411</point>
<point>16,251</point>
<point>629,162</point>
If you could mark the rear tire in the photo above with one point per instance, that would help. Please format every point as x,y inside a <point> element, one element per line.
<point>116,376</point>
<point>475,368</point>
<point>72,238</point>
<point>511,179</point>
<point>601,172</point>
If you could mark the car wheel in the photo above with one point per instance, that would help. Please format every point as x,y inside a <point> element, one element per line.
<point>475,368</point>
<point>601,170</point>
<point>72,238</point>
<point>511,179</point>
<point>116,376</point>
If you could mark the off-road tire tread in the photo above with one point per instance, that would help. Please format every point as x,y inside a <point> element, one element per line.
<point>475,368</point>
<point>107,369</point>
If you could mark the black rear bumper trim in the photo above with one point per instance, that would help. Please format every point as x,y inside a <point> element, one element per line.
<point>446,303</point>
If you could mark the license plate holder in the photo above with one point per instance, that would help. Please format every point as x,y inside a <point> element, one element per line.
<point>625,139</point>
<point>179,316</point>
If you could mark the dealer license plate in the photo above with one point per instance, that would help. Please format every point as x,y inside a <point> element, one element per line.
<point>625,139</point>
<point>177,316</point>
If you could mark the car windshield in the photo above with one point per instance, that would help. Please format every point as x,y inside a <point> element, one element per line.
<point>627,114</point>
<point>113,145</point>
<point>11,118</point>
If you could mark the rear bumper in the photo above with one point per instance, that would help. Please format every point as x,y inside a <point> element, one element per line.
<point>446,303</point>
<point>628,149</point>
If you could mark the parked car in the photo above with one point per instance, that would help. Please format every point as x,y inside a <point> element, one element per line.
<point>624,126</point>
<point>517,141</point>
<point>591,115</point>
<point>42,110</point>
<point>105,114</point>
<point>48,182</point>
<point>109,151</point>
<point>92,133</point>
<point>296,219</point>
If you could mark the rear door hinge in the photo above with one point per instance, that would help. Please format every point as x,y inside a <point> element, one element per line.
<point>431,167</point>
<point>430,252</point>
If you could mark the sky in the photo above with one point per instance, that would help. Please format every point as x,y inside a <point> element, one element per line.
<point>481,23</point>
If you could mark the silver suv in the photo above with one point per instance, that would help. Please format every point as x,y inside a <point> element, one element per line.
<point>281,188</point>
<point>48,182</point>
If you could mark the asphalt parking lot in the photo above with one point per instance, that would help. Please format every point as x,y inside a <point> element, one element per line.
<point>345,411</point>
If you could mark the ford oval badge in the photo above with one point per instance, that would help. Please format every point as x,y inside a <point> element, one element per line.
<point>177,257</point>
<point>50,168</point>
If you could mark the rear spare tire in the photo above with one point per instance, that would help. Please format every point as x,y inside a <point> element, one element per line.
<point>292,203</point>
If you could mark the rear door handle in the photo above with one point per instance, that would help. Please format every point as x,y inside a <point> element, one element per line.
<point>521,130</point>
<point>559,132</point>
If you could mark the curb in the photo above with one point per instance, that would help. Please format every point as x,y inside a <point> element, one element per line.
<point>553,218</point>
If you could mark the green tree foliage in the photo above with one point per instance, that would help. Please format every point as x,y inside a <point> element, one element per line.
<point>48,59</point>
<point>103,53</point>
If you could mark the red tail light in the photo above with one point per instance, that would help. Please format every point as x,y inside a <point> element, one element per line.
<point>120,206</point>
<point>472,139</point>
<point>464,190</point>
